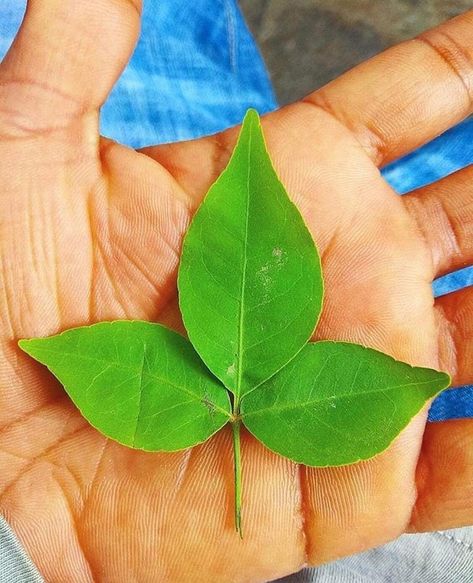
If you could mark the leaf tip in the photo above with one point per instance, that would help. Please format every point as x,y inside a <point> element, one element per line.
<point>446,379</point>
<point>24,343</point>
<point>251,117</point>
<point>30,346</point>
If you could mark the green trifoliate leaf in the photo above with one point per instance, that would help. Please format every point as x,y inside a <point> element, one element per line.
<point>337,403</point>
<point>138,383</point>
<point>250,283</point>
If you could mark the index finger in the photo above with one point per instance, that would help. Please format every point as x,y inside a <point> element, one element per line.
<point>407,95</point>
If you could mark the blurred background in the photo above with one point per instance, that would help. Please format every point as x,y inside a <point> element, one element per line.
<point>306,43</point>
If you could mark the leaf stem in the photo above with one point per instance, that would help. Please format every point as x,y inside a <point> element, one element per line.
<point>237,471</point>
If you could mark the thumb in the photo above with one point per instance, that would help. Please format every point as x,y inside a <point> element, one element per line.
<point>65,60</point>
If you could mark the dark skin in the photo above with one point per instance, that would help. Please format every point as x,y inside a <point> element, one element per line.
<point>91,230</point>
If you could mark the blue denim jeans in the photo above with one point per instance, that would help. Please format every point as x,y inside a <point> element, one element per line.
<point>195,71</point>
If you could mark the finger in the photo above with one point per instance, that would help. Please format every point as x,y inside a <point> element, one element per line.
<point>444,214</point>
<point>445,477</point>
<point>65,60</point>
<point>408,94</point>
<point>455,313</point>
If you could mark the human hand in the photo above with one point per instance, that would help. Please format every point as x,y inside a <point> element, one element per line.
<point>91,230</point>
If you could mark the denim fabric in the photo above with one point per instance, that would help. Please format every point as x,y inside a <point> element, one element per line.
<point>195,71</point>
<point>15,565</point>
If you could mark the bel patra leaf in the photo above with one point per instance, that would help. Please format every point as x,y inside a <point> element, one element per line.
<point>337,403</point>
<point>138,383</point>
<point>250,292</point>
<point>250,282</point>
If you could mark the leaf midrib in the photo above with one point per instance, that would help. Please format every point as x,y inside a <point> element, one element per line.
<point>137,371</point>
<point>305,404</point>
<point>243,275</point>
<point>140,398</point>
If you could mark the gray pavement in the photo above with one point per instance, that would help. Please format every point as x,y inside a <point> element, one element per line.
<point>308,42</point>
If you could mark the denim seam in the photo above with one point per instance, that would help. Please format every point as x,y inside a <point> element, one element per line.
<point>231,36</point>
<point>467,545</point>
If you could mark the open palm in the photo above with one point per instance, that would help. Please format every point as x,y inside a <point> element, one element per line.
<point>91,230</point>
